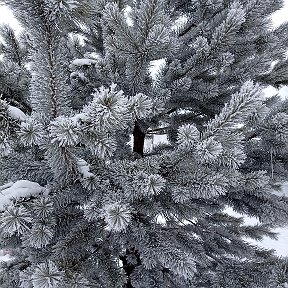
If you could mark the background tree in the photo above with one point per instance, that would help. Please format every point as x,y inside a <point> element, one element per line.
<point>80,209</point>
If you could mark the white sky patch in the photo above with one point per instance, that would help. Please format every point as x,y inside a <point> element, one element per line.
<point>271,91</point>
<point>127,11</point>
<point>155,66</point>
<point>281,15</point>
<point>7,17</point>
<point>280,246</point>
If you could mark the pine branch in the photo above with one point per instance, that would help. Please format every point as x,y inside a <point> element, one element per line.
<point>53,92</point>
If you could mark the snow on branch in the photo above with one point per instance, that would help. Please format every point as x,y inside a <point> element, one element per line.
<point>19,189</point>
<point>84,168</point>
<point>83,62</point>
<point>14,112</point>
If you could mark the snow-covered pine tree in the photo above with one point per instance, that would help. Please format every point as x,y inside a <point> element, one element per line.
<point>79,208</point>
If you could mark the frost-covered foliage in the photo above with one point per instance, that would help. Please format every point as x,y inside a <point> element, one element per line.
<point>80,206</point>
<point>14,75</point>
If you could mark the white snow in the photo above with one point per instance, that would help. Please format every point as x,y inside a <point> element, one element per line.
<point>92,55</point>
<point>73,74</point>
<point>78,117</point>
<point>16,113</point>
<point>83,62</point>
<point>84,169</point>
<point>5,258</point>
<point>21,188</point>
<point>80,75</point>
<point>8,185</point>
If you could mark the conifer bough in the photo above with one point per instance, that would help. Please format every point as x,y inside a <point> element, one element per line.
<point>83,203</point>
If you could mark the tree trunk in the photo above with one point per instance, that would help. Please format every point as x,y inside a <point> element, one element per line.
<point>129,268</point>
<point>139,136</point>
<point>138,147</point>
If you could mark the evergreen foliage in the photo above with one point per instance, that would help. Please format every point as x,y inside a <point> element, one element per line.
<point>81,206</point>
<point>14,76</point>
